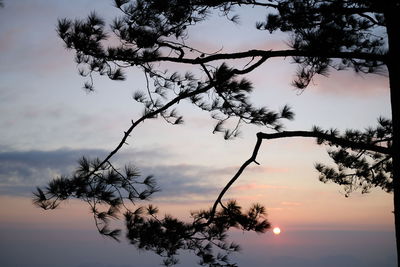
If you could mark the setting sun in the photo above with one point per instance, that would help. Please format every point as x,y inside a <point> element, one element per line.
<point>276,230</point>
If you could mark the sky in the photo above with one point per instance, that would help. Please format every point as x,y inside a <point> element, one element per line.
<point>48,122</point>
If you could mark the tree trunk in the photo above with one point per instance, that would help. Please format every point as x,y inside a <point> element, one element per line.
<point>393,64</point>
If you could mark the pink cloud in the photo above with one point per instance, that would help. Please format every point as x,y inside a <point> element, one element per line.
<point>288,203</point>
<point>255,186</point>
<point>350,83</point>
<point>245,200</point>
<point>261,169</point>
<point>8,39</point>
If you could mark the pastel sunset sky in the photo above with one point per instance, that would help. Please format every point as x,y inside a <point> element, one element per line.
<point>47,122</point>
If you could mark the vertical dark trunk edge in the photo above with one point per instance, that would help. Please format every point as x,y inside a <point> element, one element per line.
<point>392,17</point>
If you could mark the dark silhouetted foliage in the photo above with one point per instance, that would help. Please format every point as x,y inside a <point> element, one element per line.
<point>108,191</point>
<point>324,35</point>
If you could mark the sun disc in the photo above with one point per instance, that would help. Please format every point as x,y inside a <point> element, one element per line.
<point>276,230</point>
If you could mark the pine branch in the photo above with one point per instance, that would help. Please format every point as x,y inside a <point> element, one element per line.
<point>266,54</point>
<point>329,138</point>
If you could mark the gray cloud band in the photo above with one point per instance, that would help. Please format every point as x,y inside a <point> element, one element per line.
<point>21,172</point>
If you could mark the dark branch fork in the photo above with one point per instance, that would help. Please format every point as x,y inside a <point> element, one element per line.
<point>313,134</point>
